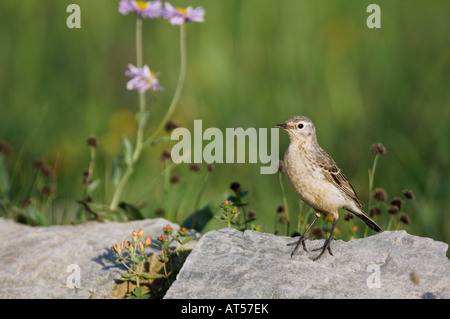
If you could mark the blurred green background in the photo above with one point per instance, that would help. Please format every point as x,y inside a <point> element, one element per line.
<point>252,63</point>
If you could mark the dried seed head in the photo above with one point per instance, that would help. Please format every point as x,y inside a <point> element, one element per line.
<point>175,179</point>
<point>282,220</point>
<point>236,187</point>
<point>374,211</point>
<point>194,167</point>
<point>408,194</point>
<point>92,141</point>
<point>43,168</point>
<point>348,216</point>
<point>397,202</point>
<point>393,210</point>
<point>379,194</point>
<point>251,214</point>
<point>165,155</point>
<point>4,148</point>
<point>405,219</point>
<point>378,149</point>
<point>170,126</point>
<point>318,232</point>
<point>281,209</point>
<point>46,190</point>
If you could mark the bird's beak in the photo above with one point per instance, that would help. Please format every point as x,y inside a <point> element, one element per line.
<point>283,126</point>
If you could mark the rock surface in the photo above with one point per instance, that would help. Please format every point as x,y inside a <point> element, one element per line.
<point>34,261</point>
<point>393,264</point>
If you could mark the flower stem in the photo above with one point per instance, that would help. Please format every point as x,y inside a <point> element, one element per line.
<point>141,118</point>
<point>371,178</point>
<point>286,210</point>
<point>197,201</point>
<point>178,90</point>
<point>139,51</point>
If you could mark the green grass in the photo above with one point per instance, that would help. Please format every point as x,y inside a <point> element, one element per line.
<point>252,63</point>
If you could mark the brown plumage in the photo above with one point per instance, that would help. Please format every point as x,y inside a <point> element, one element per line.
<point>317,179</point>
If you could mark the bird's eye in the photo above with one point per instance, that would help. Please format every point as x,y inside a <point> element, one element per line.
<point>300,125</point>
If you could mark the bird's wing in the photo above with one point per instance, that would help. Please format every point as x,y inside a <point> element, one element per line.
<point>334,175</point>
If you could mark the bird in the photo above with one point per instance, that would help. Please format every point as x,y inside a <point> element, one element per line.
<point>318,181</point>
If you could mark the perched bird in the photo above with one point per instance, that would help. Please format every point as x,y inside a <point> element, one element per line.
<point>317,179</point>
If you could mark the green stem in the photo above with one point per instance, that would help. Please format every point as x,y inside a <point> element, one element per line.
<point>132,271</point>
<point>178,90</point>
<point>371,179</point>
<point>286,210</point>
<point>166,189</point>
<point>141,117</point>
<point>139,51</point>
<point>197,201</point>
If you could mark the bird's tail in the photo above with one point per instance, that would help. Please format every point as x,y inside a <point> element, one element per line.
<point>366,219</point>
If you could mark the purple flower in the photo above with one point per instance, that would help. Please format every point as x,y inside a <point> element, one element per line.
<point>149,9</point>
<point>142,79</point>
<point>178,16</point>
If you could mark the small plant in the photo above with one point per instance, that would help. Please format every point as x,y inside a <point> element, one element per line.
<point>134,252</point>
<point>133,256</point>
<point>231,210</point>
<point>166,239</point>
<point>33,202</point>
<point>229,213</point>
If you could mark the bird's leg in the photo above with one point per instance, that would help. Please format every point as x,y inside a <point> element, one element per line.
<point>303,238</point>
<point>326,246</point>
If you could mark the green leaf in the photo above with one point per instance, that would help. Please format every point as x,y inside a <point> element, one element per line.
<point>127,277</point>
<point>166,245</point>
<point>128,148</point>
<point>137,259</point>
<point>35,216</point>
<point>234,199</point>
<point>4,179</point>
<point>131,211</point>
<point>161,139</point>
<point>147,276</point>
<point>187,239</point>
<point>237,202</point>
<point>115,216</point>
<point>92,186</point>
<point>116,174</point>
<point>138,294</point>
<point>199,219</point>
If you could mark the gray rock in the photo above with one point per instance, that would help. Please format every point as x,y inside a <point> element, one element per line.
<point>231,264</point>
<point>34,261</point>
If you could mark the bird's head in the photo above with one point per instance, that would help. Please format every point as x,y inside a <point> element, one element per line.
<point>299,128</point>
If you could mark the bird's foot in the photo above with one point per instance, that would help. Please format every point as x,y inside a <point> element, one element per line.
<point>325,246</point>
<point>301,240</point>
